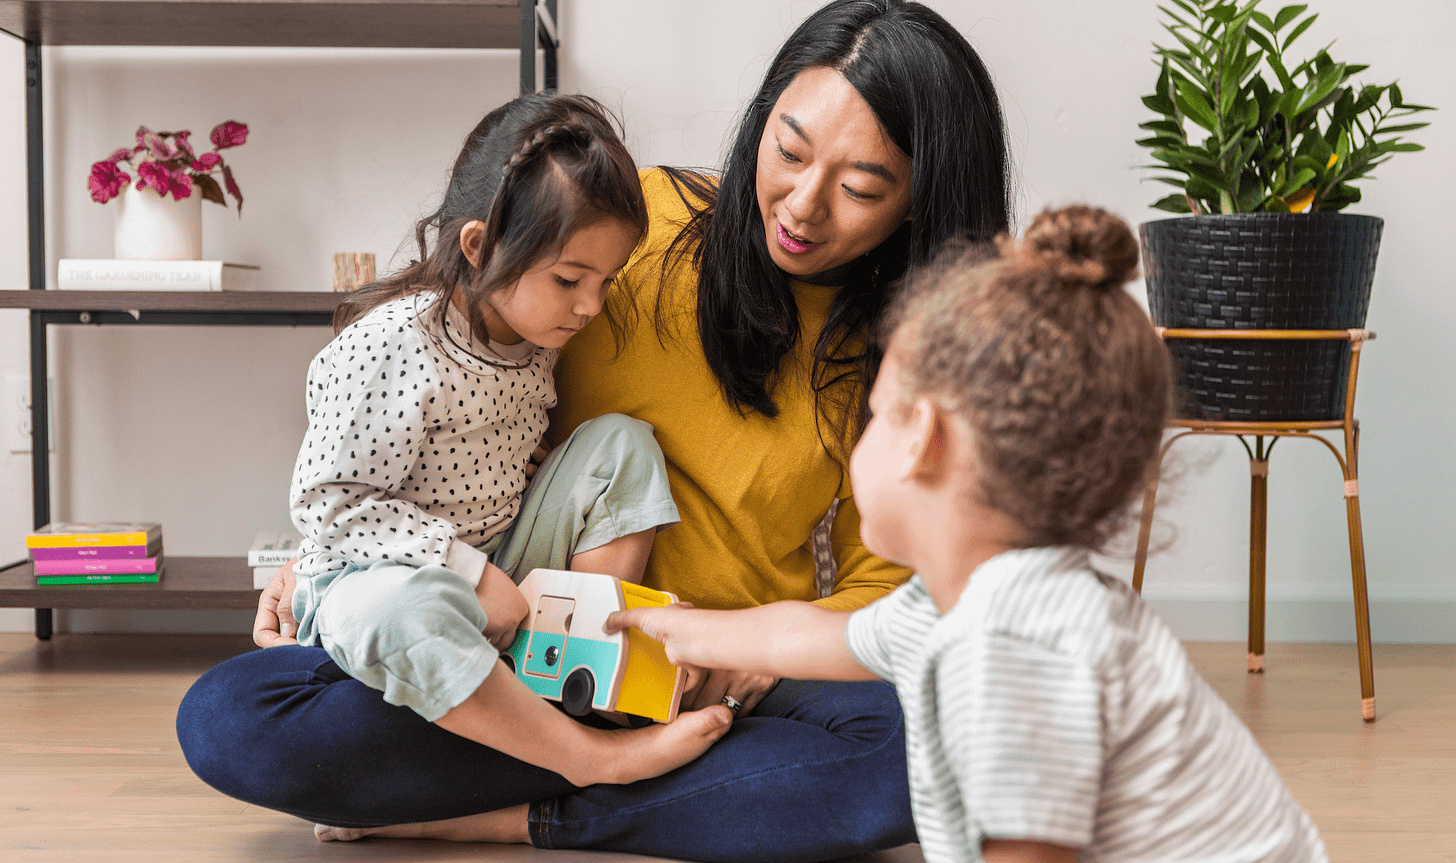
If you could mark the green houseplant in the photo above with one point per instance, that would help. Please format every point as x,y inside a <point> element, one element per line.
<point>1279,139</point>
<point>1265,153</point>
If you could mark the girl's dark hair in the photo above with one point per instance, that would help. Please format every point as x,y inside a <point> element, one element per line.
<point>1059,374</point>
<point>534,171</point>
<point>936,101</point>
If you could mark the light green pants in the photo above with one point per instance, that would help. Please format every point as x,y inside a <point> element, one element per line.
<point>415,633</point>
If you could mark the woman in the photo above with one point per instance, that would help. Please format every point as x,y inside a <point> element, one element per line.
<point>875,137</point>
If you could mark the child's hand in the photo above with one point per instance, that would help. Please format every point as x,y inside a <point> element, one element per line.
<point>274,623</point>
<point>661,624</point>
<point>533,463</point>
<point>504,606</point>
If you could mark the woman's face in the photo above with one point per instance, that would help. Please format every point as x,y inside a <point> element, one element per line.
<point>831,184</point>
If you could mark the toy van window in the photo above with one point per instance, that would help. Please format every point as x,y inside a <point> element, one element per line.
<point>550,627</point>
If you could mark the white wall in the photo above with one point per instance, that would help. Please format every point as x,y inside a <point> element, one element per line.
<point>197,427</point>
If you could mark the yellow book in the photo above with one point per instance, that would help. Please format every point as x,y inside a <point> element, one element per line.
<point>105,533</point>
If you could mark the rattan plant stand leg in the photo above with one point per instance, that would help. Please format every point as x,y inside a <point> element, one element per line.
<point>1259,454</point>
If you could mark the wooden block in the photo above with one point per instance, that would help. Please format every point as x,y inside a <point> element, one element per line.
<point>352,270</point>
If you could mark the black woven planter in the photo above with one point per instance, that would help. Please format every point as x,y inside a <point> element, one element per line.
<point>1267,271</point>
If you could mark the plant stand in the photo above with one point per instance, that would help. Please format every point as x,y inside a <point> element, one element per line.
<point>1259,485</point>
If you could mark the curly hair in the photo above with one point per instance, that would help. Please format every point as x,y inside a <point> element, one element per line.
<point>1056,370</point>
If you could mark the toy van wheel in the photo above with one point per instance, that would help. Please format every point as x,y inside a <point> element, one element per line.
<point>577,692</point>
<point>635,721</point>
<point>510,662</point>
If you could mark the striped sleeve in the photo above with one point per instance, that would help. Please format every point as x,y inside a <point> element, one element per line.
<point>1023,737</point>
<point>874,632</point>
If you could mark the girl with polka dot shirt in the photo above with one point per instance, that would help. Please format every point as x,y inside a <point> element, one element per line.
<point>422,489</point>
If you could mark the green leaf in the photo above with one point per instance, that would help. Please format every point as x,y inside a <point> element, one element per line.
<point>1264,21</point>
<point>1261,40</point>
<point>1195,105</point>
<point>1163,127</point>
<point>1394,147</point>
<point>1298,29</point>
<point>1287,14</point>
<point>1187,7</point>
<point>1224,13</point>
<point>1159,104</point>
<point>1159,141</point>
<point>1392,130</point>
<point>1173,204</point>
<point>1300,179</point>
<point>1321,87</point>
<point>1171,14</point>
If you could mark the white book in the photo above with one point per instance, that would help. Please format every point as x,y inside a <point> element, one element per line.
<point>273,548</point>
<point>262,575</point>
<point>106,274</point>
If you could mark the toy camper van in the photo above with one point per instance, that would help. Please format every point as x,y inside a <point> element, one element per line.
<point>563,653</point>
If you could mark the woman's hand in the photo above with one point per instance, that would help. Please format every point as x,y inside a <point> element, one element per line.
<point>714,684</point>
<point>275,623</point>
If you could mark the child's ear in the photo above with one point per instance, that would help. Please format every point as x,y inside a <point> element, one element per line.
<point>926,456</point>
<point>472,235</point>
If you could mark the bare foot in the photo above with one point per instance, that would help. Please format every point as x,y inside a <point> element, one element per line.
<point>503,826</point>
<point>628,755</point>
<point>325,833</point>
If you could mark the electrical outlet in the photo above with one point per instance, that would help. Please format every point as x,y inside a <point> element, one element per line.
<point>15,412</point>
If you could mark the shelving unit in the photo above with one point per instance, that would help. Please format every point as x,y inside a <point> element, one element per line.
<point>207,582</point>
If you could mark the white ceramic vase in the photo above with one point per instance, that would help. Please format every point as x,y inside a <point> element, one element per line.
<point>152,228</point>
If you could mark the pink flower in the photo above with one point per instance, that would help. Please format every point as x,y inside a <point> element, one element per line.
<point>182,143</point>
<point>168,163</point>
<point>106,180</point>
<point>229,133</point>
<point>157,143</point>
<point>164,180</point>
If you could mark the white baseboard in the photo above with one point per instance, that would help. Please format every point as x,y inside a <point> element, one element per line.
<point>1424,621</point>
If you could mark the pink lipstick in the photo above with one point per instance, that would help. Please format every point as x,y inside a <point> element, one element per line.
<point>792,244</point>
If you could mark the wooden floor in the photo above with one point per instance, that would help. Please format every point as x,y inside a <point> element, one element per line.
<point>90,769</point>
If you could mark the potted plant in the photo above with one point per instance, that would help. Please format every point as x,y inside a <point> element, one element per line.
<point>149,225</point>
<point>1265,154</point>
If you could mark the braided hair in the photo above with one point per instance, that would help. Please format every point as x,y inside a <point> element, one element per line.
<point>534,171</point>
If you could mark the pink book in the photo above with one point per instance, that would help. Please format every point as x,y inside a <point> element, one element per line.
<point>86,567</point>
<point>89,552</point>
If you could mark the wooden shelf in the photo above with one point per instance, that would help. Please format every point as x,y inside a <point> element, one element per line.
<point>267,23</point>
<point>187,582</point>
<point>177,301</point>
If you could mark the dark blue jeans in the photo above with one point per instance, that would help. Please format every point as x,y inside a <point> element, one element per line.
<point>816,773</point>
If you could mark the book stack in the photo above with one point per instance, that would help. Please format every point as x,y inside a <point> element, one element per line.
<point>96,553</point>
<point>270,551</point>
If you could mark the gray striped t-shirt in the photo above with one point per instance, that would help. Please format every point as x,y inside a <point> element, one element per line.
<point>1051,704</point>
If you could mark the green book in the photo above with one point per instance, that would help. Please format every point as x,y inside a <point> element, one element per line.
<point>98,578</point>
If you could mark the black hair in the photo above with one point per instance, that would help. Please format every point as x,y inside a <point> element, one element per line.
<point>534,171</point>
<point>935,100</point>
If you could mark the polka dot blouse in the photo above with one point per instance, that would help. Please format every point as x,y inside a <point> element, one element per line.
<point>414,443</point>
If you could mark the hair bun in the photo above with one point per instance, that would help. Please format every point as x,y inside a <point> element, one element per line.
<point>1085,245</point>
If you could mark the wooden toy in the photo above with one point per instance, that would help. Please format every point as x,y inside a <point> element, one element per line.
<point>563,653</point>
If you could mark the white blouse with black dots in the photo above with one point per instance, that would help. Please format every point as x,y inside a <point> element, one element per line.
<point>416,448</point>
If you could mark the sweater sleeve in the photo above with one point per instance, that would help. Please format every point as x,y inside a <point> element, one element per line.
<point>369,393</point>
<point>863,577</point>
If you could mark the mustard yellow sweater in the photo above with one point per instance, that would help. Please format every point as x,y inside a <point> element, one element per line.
<point>750,489</point>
